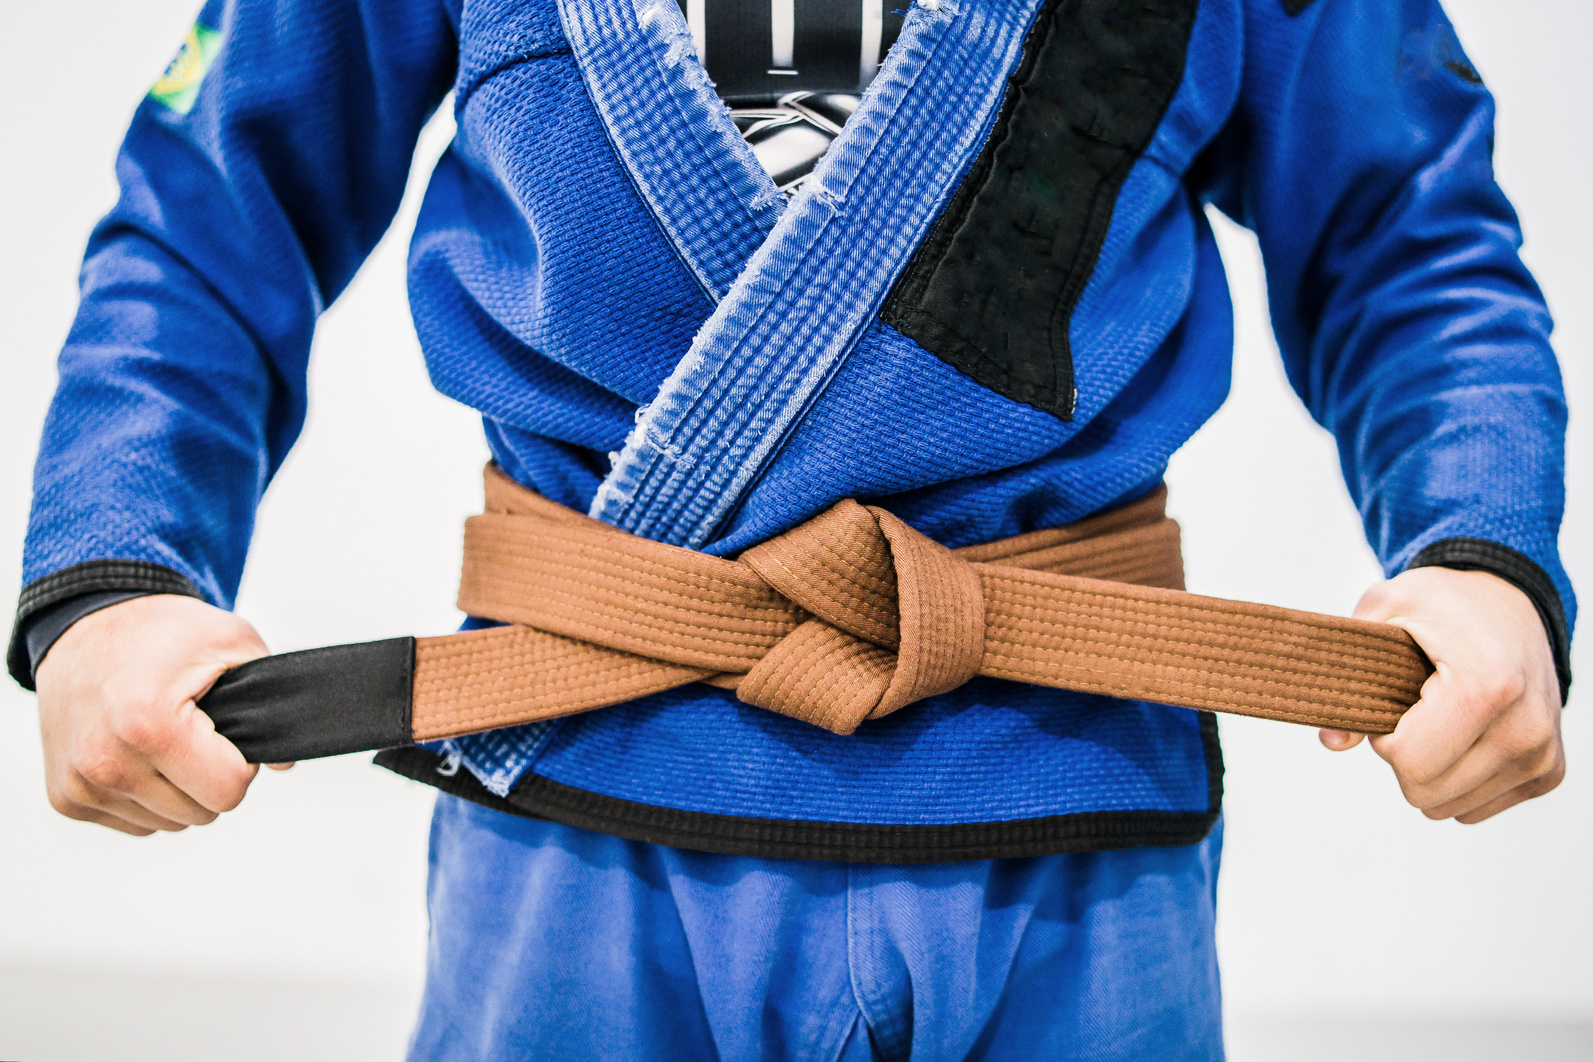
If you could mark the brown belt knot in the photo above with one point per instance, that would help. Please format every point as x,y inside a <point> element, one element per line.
<point>897,617</point>
<point>854,614</point>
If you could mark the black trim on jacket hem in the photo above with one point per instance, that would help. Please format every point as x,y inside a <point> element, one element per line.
<point>1516,568</point>
<point>542,798</point>
<point>90,577</point>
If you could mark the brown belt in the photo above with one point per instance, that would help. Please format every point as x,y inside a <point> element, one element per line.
<point>848,617</point>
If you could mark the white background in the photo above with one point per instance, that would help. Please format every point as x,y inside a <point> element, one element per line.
<point>304,908</point>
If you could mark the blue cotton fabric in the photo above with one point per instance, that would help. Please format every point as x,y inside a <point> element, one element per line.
<point>553,942</point>
<point>551,292</point>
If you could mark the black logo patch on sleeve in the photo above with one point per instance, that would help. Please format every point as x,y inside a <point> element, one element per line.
<point>992,289</point>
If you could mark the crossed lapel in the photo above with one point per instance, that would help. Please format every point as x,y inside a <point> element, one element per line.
<point>797,284</point>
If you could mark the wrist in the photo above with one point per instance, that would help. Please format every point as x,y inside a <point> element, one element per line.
<point>50,605</point>
<point>1516,568</point>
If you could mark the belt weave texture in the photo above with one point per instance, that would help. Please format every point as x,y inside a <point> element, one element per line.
<point>848,617</point>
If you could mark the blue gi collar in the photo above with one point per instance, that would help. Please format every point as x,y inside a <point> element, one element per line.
<point>796,287</point>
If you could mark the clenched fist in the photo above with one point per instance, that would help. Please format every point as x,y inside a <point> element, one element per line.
<point>124,745</point>
<point>1486,733</point>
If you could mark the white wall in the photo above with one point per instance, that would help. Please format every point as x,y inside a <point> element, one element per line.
<point>1337,897</point>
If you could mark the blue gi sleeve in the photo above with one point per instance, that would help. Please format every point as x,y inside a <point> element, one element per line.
<point>1361,155</point>
<point>256,177</point>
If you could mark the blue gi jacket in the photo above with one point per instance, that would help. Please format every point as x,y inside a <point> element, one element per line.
<point>996,307</point>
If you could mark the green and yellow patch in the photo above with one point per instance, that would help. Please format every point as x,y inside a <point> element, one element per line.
<point>178,87</point>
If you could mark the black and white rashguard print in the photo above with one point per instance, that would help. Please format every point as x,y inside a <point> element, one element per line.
<point>792,70</point>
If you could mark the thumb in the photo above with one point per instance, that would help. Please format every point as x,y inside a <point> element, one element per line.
<point>1339,740</point>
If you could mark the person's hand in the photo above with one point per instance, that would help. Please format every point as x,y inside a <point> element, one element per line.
<point>1486,733</point>
<point>124,745</point>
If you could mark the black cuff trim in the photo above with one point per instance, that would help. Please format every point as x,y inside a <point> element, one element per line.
<point>1480,555</point>
<point>44,629</point>
<point>542,798</point>
<point>91,577</point>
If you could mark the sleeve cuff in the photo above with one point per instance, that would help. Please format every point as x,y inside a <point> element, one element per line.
<point>1480,555</point>
<point>49,605</point>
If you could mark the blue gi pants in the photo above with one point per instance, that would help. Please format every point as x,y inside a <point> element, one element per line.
<point>549,942</point>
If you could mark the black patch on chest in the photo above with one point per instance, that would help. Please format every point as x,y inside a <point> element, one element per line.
<point>992,289</point>
<point>1294,7</point>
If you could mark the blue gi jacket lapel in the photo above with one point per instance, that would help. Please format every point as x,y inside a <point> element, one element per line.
<point>696,173</point>
<point>798,287</point>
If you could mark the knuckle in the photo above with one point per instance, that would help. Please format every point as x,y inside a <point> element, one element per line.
<point>76,801</point>
<point>140,725</point>
<point>1548,783</point>
<point>1415,772</point>
<point>1558,774</point>
<point>72,789</point>
<point>101,767</point>
<point>1544,762</point>
<point>65,805</point>
<point>231,793</point>
<point>244,641</point>
<point>1380,600</point>
<point>1546,767</point>
<point>1531,741</point>
<point>1417,799</point>
<point>1545,735</point>
<point>1415,795</point>
<point>1377,595</point>
<point>1514,745</point>
<point>1502,686</point>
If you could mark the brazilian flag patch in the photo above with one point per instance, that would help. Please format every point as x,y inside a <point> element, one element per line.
<point>178,87</point>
